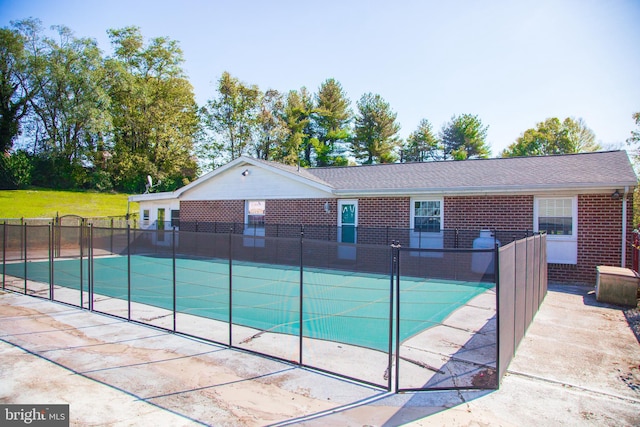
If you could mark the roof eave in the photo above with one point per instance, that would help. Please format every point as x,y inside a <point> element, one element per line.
<point>501,190</point>
<point>152,196</point>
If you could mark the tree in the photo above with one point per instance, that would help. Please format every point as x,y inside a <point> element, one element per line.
<point>376,131</point>
<point>554,137</point>
<point>464,137</point>
<point>233,115</point>
<point>14,98</point>
<point>271,128</point>
<point>332,116</point>
<point>14,93</point>
<point>70,109</point>
<point>154,113</point>
<point>635,134</point>
<point>422,144</point>
<point>296,148</point>
<point>632,141</point>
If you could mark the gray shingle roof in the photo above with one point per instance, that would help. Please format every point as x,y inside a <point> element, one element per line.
<point>584,170</point>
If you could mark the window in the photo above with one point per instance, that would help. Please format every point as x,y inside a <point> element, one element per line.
<point>145,217</point>
<point>175,218</point>
<point>426,224</point>
<point>555,216</point>
<point>255,213</point>
<point>254,219</point>
<point>558,216</point>
<point>426,216</point>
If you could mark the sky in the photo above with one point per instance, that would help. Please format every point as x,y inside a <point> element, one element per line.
<point>511,63</point>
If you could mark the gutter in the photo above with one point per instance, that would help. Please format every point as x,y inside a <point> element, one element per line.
<point>623,244</point>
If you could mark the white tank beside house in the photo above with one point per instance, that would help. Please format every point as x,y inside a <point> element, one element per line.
<point>484,262</point>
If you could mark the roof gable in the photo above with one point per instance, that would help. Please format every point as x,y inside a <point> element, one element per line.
<point>248,178</point>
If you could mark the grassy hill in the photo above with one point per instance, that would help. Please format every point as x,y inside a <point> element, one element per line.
<point>45,203</point>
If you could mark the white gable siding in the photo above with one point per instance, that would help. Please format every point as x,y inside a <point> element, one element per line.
<point>258,184</point>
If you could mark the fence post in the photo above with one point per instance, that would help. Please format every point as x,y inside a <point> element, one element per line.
<point>111,236</point>
<point>300,301</point>
<point>82,228</point>
<point>230,288</point>
<point>49,248</point>
<point>90,265</point>
<point>173,244</point>
<point>636,248</point>
<point>24,227</point>
<point>395,270</point>
<point>496,272</point>
<point>4,253</point>
<point>129,272</point>
<point>57,245</point>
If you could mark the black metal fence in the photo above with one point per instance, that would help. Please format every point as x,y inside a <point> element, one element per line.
<point>118,221</point>
<point>451,238</point>
<point>448,318</point>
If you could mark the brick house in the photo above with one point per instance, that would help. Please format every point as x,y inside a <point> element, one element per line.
<point>583,201</point>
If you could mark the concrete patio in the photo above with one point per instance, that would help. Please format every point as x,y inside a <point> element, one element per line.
<point>579,364</point>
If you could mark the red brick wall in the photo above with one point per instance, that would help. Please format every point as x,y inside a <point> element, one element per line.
<point>599,238</point>
<point>302,211</point>
<point>394,212</point>
<point>599,221</point>
<point>488,212</point>
<point>212,211</point>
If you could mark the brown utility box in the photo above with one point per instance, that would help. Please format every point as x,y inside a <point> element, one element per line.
<point>617,285</point>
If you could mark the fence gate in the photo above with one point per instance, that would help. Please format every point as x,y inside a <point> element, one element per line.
<point>446,319</point>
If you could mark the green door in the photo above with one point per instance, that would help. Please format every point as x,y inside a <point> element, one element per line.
<point>348,222</point>
<point>347,228</point>
<point>160,218</point>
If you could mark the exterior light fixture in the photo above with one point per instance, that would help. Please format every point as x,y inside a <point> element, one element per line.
<point>246,172</point>
<point>327,207</point>
<point>616,195</point>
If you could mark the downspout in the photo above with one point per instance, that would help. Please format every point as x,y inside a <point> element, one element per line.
<point>623,264</point>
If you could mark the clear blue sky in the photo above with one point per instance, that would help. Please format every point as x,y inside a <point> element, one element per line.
<point>513,63</point>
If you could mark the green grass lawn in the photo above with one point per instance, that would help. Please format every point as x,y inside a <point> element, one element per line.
<point>45,203</point>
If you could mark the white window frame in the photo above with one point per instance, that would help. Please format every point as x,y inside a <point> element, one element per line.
<point>427,239</point>
<point>561,249</point>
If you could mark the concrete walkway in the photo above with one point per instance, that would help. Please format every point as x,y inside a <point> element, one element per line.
<point>579,364</point>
